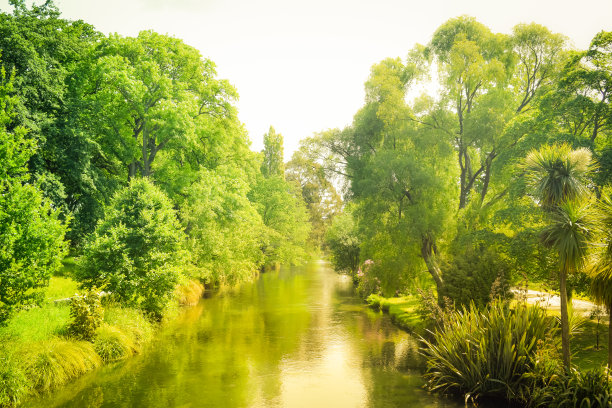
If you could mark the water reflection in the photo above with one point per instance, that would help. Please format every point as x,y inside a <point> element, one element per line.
<point>297,337</point>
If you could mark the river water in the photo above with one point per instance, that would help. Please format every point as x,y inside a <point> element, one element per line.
<point>298,337</point>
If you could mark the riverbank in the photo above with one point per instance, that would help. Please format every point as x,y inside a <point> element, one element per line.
<point>589,340</point>
<point>39,354</point>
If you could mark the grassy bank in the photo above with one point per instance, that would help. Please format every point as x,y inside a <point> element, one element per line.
<point>38,353</point>
<point>402,310</point>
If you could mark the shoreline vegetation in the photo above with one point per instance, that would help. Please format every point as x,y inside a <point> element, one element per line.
<point>40,354</point>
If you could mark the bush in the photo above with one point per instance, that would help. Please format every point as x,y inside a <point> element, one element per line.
<point>136,251</point>
<point>343,243</point>
<point>87,314</point>
<point>189,293</point>
<point>486,353</point>
<point>476,275</point>
<point>590,389</point>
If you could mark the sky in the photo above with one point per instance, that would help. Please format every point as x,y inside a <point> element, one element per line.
<point>300,66</point>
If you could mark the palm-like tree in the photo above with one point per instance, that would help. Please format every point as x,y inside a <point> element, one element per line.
<point>557,175</point>
<point>601,269</point>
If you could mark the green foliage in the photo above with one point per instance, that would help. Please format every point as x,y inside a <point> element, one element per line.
<point>486,353</point>
<point>14,384</point>
<point>343,243</point>
<point>273,160</point>
<point>225,230</point>
<point>131,322</point>
<point>136,251</point>
<point>580,389</point>
<point>319,194</point>
<point>87,314</point>
<point>471,275</point>
<point>285,216</point>
<point>31,232</point>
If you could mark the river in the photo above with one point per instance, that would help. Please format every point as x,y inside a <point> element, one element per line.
<point>298,337</point>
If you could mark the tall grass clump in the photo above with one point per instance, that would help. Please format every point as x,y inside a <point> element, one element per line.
<point>132,323</point>
<point>112,344</point>
<point>189,293</point>
<point>487,353</point>
<point>53,363</point>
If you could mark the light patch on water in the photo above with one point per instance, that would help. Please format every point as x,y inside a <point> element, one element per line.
<point>317,383</point>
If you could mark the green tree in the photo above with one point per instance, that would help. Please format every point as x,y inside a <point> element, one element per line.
<point>343,243</point>
<point>44,50</point>
<point>319,194</point>
<point>146,95</point>
<point>557,175</point>
<point>285,216</point>
<point>225,230</point>
<point>31,234</point>
<point>136,251</point>
<point>273,160</point>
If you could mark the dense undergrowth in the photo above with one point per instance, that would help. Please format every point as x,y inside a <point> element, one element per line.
<point>508,351</point>
<point>39,351</point>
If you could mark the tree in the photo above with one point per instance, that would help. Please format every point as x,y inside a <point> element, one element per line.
<point>44,50</point>
<point>319,194</point>
<point>284,213</point>
<point>557,176</point>
<point>136,250</point>
<point>343,243</point>
<point>273,160</point>
<point>225,230</point>
<point>600,270</point>
<point>31,234</point>
<point>490,83</point>
<point>147,95</point>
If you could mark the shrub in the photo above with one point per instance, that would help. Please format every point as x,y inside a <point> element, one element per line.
<point>486,353</point>
<point>87,314</point>
<point>343,243</point>
<point>136,250</point>
<point>590,389</point>
<point>31,232</point>
<point>473,275</point>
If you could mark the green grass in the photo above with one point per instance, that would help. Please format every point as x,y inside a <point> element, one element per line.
<point>402,310</point>
<point>60,288</point>
<point>36,324</point>
<point>68,267</point>
<point>585,355</point>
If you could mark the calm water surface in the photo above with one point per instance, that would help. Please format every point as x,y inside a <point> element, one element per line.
<point>298,337</point>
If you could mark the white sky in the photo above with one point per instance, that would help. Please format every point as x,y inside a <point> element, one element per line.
<point>300,66</point>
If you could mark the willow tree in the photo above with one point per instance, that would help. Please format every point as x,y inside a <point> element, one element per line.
<point>489,85</point>
<point>402,178</point>
<point>557,175</point>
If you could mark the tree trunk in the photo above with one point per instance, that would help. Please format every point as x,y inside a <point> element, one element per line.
<point>565,345</point>
<point>131,171</point>
<point>610,336</point>
<point>428,254</point>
